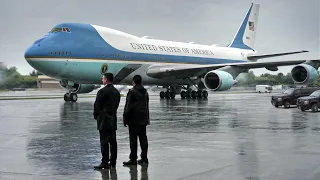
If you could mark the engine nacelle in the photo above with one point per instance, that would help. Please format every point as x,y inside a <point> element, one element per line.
<point>79,88</point>
<point>218,80</point>
<point>304,74</point>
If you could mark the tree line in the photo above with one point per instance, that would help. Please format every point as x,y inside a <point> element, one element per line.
<point>11,78</point>
<point>251,80</point>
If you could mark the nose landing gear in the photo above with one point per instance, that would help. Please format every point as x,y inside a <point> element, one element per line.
<point>73,97</point>
<point>71,87</point>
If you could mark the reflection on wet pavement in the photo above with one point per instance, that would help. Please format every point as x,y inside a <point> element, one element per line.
<point>229,136</point>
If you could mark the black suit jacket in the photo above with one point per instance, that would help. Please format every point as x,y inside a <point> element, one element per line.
<point>105,108</point>
<point>136,110</point>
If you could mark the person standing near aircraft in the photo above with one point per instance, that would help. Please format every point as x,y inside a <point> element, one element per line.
<point>136,116</point>
<point>105,112</point>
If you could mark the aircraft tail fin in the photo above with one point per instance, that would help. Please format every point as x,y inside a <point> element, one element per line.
<point>246,34</point>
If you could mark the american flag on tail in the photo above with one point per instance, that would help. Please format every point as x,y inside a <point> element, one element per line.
<point>251,26</point>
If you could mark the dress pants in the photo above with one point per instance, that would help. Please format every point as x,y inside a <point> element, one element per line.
<point>134,132</point>
<point>108,138</point>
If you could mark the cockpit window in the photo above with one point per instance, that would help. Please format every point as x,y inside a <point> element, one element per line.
<point>56,30</point>
<point>64,29</point>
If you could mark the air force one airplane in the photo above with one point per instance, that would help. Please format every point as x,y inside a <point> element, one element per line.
<point>77,54</point>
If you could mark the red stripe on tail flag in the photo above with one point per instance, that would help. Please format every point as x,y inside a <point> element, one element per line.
<point>251,26</point>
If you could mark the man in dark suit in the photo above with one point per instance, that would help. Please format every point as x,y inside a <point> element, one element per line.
<point>105,112</point>
<point>136,116</point>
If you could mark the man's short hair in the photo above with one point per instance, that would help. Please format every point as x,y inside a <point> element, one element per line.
<point>137,79</point>
<point>109,76</point>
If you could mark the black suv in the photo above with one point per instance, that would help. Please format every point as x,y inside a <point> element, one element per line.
<point>309,102</point>
<point>290,96</point>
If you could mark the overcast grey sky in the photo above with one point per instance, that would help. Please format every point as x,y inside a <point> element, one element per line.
<point>284,25</point>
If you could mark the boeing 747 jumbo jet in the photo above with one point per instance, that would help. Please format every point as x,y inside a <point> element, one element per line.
<point>77,54</point>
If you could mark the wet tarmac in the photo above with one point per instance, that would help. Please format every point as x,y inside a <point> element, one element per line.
<point>229,136</point>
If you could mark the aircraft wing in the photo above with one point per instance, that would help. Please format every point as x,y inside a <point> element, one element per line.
<point>188,70</point>
<point>256,57</point>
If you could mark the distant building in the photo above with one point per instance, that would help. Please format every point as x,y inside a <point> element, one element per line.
<point>45,82</point>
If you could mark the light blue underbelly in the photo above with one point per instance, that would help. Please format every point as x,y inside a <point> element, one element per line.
<point>82,72</point>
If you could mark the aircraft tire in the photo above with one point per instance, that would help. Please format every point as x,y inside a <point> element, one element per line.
<point>167,95</point>
<point>183,94</point>
<point>205,94</point>
<point>66,97</point>
<point>188,94</point>
<point>194,94</point>
<point>172,94</point>
<point>73,97</point>
<point>199,94</point>
<point>162,95</point>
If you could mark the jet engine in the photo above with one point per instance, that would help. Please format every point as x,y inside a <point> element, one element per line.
<point>79,88</point>
<point>304,74</point>
<point>218,80</point>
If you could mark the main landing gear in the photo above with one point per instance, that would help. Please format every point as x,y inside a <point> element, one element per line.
<point>170,93</point>
<point>189,93</point>
<point>167,94</point>
<point>194,94</point>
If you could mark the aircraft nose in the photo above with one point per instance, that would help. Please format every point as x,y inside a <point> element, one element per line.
<point>37,57</point>
<point>32,51</point>
<point>35,50</point>
<point>29,52</point>
<point>32,54</point>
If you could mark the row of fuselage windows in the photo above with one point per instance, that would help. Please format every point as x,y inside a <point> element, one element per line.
<point>60,53</point>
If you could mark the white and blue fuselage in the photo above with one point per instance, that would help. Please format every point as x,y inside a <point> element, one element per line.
<point>80,53</point>
<point>76,52</point>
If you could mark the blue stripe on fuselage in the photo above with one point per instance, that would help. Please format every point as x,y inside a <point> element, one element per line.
<point>85,42</point>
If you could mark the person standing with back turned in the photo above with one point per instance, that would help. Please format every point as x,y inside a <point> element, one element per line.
<point>136,116</point>
<point>105,112</point>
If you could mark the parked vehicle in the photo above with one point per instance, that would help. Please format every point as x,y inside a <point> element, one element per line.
<point>263,88</point>
<point>309,102</point>
<point>290,96</point>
